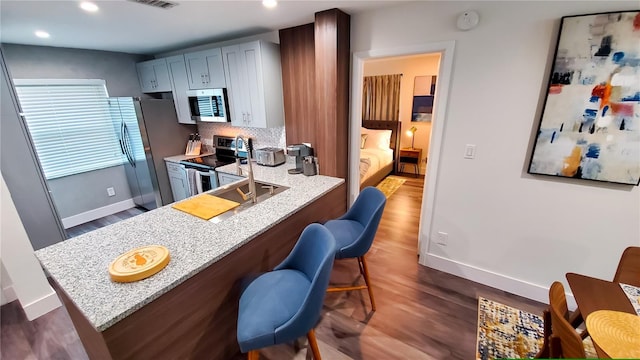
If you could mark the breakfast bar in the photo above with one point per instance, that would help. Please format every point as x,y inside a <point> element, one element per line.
<point>188,310</point>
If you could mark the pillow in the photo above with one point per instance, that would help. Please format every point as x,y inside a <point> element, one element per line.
<point>377,139</point>
<point>363,139</point>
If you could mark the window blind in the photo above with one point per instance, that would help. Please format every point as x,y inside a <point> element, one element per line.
<point>70,125</point>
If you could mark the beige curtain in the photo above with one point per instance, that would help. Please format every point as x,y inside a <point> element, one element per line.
<point>381,97</point>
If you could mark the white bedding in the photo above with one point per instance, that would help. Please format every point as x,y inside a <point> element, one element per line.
<point>372,160</point>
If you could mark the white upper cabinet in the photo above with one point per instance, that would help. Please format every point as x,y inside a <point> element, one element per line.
<point>254,84</point>
<point>180,86</point>
<point>153,76</point>
<point>205,69</point>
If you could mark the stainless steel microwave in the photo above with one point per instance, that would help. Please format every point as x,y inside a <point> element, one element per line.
<point>209,105</point>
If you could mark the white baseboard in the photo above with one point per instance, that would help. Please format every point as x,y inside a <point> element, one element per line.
<point>8,295</point>
<point>98,213</point>
<point>489,278</point>
<point>42,306</point>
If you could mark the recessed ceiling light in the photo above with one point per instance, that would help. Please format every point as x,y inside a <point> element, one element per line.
<point>42,34</point>
<point>88,6</point>
<point>269,3</point>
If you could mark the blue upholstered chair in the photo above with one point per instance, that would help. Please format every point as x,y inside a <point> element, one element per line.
<point>354,232</point>
<point>284,304</point>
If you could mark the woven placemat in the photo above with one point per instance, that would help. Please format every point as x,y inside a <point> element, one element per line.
<point>615,332</point>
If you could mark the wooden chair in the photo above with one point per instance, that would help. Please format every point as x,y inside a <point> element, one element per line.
<point>565,341</point>
<point>545,350</point>
<point>574,318</point>
<point>628,271</point>
<point>354,233</point>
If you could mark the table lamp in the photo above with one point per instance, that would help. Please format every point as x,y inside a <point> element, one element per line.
<point>412,132</point>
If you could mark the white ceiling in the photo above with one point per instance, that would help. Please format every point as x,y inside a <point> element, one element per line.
<point>129,27</point>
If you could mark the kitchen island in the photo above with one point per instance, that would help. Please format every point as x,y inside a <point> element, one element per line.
<point>189,309</point>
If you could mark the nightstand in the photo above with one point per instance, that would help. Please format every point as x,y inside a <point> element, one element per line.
<point>410,156</point>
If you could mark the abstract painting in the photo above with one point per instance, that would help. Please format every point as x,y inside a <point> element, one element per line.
<point>424,90</point>
<point>590,126</point>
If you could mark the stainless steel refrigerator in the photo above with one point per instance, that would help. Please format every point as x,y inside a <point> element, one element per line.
<point>148,131</point>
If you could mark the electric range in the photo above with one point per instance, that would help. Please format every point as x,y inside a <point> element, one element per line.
<point>208,162</point>
<point>225,153</point>
<point>204,176</point>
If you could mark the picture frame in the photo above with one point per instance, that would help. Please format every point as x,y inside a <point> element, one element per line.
<point>590,123</point>
<point>424,89</point>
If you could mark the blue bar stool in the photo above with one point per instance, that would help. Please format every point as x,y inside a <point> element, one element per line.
<point>354,233</point>
<point>284,304</point>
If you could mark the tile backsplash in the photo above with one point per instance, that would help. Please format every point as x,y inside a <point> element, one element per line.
<point>274,137</point>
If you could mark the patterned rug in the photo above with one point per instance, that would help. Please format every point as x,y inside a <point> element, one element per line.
<point>390,184</point>
<point>506,332</point>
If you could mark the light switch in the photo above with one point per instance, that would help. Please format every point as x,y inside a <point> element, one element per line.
<point>470,151</point>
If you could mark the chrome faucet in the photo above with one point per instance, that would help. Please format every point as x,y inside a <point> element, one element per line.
<point>252,182</point>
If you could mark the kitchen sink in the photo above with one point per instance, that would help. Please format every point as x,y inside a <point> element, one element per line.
<point>232,192</point>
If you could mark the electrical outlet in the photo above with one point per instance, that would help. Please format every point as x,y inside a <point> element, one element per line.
<point>442,238</point>
<point>111,191</point>
<point>470,151</point>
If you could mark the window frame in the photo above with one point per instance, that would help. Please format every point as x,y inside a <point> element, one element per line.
<point>57,145</point>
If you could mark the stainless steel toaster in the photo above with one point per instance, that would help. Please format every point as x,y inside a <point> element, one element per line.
<point>270,156</point>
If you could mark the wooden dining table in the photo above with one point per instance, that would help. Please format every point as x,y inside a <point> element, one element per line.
<point>592,294</point>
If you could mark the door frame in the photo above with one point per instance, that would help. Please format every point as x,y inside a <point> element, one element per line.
<point>446,51</point>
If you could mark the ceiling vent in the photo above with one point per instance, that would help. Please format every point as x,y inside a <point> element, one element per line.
<point>156,3</point>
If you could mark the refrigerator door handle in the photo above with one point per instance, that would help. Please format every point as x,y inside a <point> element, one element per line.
<point>127,146</point>
<point>121,136</point>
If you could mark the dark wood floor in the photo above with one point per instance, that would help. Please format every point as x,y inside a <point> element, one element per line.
<point>107,220</point>
<point>421,313</point>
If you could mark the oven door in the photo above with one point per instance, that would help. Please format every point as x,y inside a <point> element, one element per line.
<point>200,179</point>
<point>206,181</point>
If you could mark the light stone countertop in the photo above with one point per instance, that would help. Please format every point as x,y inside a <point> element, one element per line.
<point>80,265</point>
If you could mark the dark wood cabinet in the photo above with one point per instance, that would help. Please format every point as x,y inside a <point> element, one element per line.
<point>315,76</point>
<point>297,58</point>
<point>412,157</point>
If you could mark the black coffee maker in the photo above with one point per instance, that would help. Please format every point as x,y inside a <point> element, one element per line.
<point>299,151</point>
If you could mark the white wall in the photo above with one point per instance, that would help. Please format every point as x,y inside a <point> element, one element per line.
<point>81,197</point>
<point>506,228</point>
<point>24,279</point>
<point>409,67</point>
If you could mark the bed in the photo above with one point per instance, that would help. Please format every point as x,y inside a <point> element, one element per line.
<point>377,158</point>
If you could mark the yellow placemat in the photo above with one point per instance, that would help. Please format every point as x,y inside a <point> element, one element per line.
<point>615,332</point>
<point>205,206</point>
<point>139,263</point>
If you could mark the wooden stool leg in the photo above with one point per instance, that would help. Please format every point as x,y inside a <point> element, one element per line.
<point>368,282</point>
<point>545,351</point>
<point>311,335</point>
<point>253,355</point>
